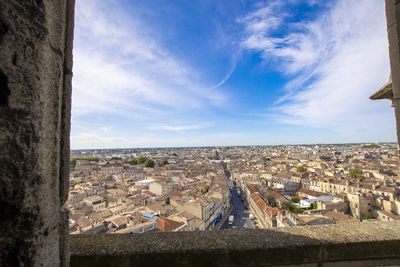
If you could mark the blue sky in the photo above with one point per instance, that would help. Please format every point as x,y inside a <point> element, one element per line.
<point>159,73</point>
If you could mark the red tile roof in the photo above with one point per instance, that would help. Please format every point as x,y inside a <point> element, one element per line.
<point>310,192</point>
<point>168,225</point>
<point>263,206</point>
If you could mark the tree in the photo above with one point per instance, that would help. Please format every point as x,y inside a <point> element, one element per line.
<point>141,160</point>
<point>313,206</point>
<point>89,158</point>
<point>267,159</point>
<point>356,173</point>
<point>368,216</point>
<point>72,160</point>
<point>163,163</point>
<point>301,168</point>
<point>371,146</point>
<point>271,200</point>
<point>149,163</point>
<point>167,201</point>
<point>205,189</point>
<point>288,205</point>
<point>72,163</point>
<point>295,199</point>
<point>132,161</point>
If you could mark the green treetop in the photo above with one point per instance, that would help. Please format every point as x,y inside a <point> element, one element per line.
<point>356,173</point>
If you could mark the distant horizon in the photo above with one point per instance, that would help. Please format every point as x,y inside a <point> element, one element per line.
<point>222,146</point>
<point>157,74</point>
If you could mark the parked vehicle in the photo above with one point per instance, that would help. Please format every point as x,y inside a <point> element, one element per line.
<point>231,219</point>
<point>238,192</point>
<point>251,216</point>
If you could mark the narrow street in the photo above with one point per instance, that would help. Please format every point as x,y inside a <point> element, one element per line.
<point>240,213</point>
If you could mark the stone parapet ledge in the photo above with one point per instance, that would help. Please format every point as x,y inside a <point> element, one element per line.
<point>360,244</point>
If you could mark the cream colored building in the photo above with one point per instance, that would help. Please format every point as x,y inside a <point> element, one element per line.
<point>96,202</point>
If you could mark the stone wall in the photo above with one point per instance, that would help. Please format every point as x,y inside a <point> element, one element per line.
<point>392,22</point>
<point>35,95</point>
<point>365,244</point>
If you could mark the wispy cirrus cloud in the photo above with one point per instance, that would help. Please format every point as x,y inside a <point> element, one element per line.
<point>333,63</point>
<point>300,48</point>
<point>180,127</point>
<point>124,72</point>
<point>121,65</point>
<point>164,76</point>
<point>94,138</point>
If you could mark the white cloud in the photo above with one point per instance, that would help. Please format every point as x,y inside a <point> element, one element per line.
<point>180,127</point>
<point>333,63</point>
<point>120,66</point>
<point>95,139</point>
<point>90,140</point>
<point>298,50</point>
<point>124,73</point>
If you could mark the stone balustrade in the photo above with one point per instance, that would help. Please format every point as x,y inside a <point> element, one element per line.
<point>359,244</point>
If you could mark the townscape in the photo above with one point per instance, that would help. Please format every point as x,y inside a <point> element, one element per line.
<point>187,189</point>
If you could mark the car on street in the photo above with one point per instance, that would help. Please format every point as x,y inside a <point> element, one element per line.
<point>231,219</point>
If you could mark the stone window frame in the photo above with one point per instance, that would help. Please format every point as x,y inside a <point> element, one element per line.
<point>36,39</point>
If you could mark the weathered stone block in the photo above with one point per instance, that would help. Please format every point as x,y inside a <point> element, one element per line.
<point>35,92</point>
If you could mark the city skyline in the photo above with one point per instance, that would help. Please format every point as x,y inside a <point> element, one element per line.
<point>160,74</point>
<point>118,149</point>
<point>199,189</point>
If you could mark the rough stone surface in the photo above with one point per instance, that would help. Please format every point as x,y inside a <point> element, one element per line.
<point>393,22</point>
<point>35,91</point>
<point>374,242</point>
